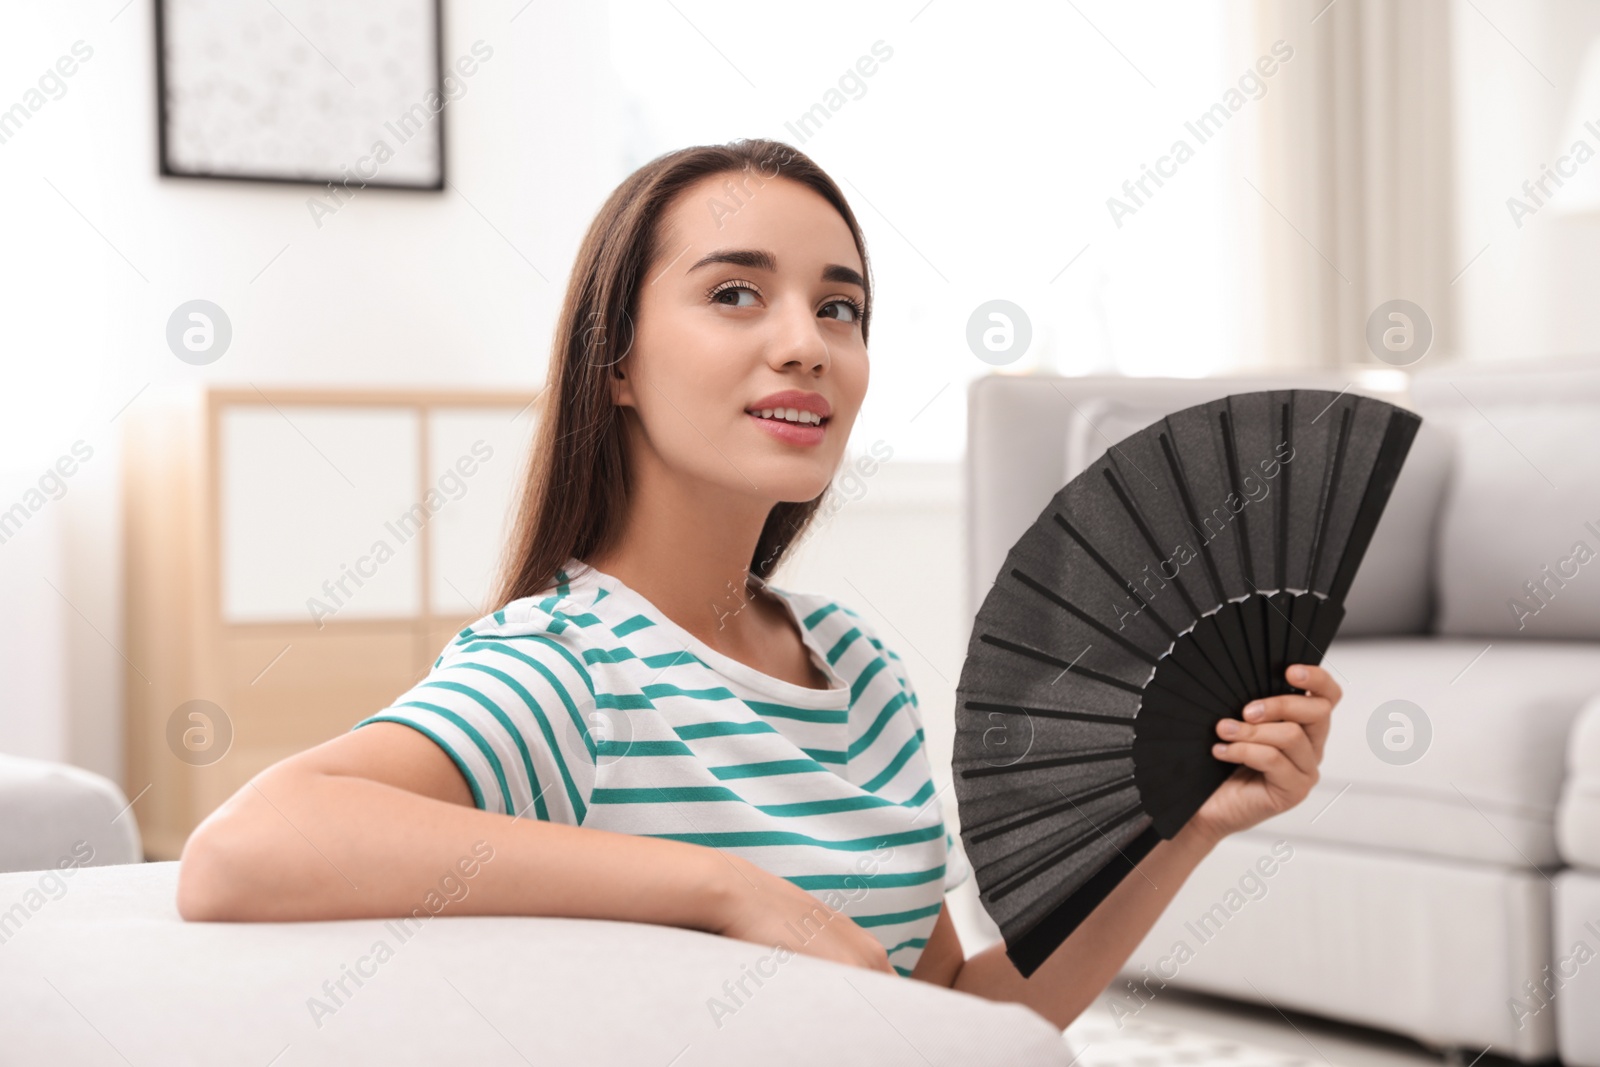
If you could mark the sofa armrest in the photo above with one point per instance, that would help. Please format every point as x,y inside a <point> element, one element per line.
<point>1578,815</point>
<point>57,814</point>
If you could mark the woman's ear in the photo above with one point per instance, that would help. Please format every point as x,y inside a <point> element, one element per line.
<point>621,386</point>
<point>617,376</point>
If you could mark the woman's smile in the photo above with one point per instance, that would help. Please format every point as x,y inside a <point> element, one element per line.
<point>795,433</point>
<point>793,417</point>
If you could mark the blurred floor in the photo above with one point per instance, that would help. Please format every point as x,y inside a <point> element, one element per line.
<point>1190,1028</point>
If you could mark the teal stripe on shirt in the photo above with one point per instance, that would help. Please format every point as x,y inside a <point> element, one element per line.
<point>477,739</point>
<point>892,918</point>
<point>871,881</point>
<point>472,780</point>
<point>752,838</point>
<point>864,742</point>
<point>895,764</point>
<point>826,716</point>
<point>768,768</point>
<point>715,793</point>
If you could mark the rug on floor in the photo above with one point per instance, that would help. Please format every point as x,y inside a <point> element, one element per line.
<point>1100,1042</point>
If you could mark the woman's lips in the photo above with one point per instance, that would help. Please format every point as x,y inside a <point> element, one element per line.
<point>793,433</point>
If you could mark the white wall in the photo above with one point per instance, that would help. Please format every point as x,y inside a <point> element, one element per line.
<point>396,289</point>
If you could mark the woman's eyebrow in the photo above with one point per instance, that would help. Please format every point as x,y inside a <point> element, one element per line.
<point>760,259</point>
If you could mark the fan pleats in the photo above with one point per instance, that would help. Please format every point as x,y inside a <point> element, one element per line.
<point>1162,589</point>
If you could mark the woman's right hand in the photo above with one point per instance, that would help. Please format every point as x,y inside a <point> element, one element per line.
<point>764,908</point>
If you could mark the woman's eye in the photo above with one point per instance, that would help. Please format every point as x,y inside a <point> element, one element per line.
<point>734,289</point>
<point>848,311</point>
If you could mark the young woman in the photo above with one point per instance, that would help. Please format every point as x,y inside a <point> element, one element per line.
<point>646,729</point>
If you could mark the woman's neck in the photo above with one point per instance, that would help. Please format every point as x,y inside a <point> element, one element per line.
<point>692,561</point>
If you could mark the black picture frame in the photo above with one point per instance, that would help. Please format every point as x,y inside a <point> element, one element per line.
<point>167,169</point>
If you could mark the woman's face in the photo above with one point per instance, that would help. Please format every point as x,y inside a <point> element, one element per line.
<point>714,339</point>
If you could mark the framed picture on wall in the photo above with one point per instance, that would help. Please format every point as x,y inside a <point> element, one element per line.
<point>348,92</point>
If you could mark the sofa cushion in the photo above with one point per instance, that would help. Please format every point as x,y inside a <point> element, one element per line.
<point>1392,592</point>
<point>1578,820</point>
<point>1487,783</point>
<point>55,811</point>
<point>99,957</point>
<point>1519,532</point>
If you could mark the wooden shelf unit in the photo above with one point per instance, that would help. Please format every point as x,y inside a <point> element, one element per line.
<point>238,505</point>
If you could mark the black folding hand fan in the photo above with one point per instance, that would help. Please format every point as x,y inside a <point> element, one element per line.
<point>1162,589</point>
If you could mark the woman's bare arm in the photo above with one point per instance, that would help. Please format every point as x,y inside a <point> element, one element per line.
<point>1085,963</point>
<point>1278,744</point>
<point>380,823</point>
<point>372,822</point>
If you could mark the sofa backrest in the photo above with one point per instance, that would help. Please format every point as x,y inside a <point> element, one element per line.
<point>1519,524</point>
<point>1028,435</point>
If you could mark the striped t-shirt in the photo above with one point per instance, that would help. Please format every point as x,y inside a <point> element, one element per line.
<point>586,705</point>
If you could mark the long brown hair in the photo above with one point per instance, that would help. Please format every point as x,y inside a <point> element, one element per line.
<point>576,488</point>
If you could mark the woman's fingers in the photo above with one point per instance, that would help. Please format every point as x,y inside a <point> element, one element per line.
<point>1310,711</point>
<point>1280,738</point>
<point>1288,737</point>
<point>1290,708</point>
<point>1281,772</point>
<point>1315,680</point>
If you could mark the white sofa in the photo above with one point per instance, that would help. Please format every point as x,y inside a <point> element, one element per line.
<point>1418,897</point>
<point>96,966</point>
<point>1574,978</point>
<point>50,811</point>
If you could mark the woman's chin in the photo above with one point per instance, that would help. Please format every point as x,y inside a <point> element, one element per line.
<point>788,484</point>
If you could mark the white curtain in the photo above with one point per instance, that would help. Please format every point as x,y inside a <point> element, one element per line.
<point>1353,175</point>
